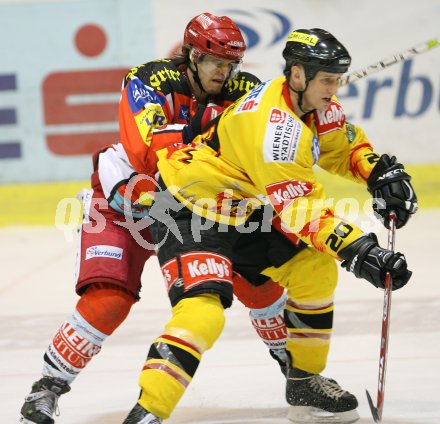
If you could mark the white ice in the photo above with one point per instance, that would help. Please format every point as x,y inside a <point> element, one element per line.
<point>237,381</point>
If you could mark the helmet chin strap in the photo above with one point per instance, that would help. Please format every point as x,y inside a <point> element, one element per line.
<point>309,76</point>
<point>300,96</point>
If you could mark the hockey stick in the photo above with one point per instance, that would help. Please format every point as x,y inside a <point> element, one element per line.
<point>391,60</point>
<point>376,411</point>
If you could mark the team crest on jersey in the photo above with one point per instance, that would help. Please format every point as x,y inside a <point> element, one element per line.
<point>252,100</point>
<point>331,120</point>
<point>284,193</point>
<point>283,132</point>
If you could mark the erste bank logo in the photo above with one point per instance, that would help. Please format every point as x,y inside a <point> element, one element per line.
<point>252,101</point>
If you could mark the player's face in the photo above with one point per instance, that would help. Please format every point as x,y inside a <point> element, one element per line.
<point>213,72</point>
<point>321,90</point>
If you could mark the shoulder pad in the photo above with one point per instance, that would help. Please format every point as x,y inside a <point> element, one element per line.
<point>162,75</point>
<point>240,85</point>
<point>248,77</point>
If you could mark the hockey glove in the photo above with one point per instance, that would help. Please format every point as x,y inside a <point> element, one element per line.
<point>366,259</point>
<point>391,189</point>
<point>200,121</point>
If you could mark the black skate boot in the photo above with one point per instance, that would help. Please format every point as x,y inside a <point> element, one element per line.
<point>319,400</point>
<point>41,403</point>
<point>139,415</point>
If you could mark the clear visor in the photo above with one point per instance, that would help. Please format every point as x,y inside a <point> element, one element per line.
<point>210,64</point>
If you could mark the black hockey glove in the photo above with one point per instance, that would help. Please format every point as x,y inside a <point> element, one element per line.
<point>391,189</point>
<point>366,259</point>
<point>200,121</point>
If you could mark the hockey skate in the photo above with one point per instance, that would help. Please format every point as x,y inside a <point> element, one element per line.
<point>139,415</point>
<point>318,400</point>
<point>42,403</point>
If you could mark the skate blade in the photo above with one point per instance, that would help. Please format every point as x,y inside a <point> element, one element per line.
<point>23,420</point>
<point>309,414</point>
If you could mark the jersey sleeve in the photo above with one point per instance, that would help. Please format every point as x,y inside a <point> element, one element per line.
<point>141,109</point>
<point>344,148</point>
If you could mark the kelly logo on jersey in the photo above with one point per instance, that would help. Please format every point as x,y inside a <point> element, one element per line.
<point>330,120</point>
<point>284,193</point>
<point>283,132</point>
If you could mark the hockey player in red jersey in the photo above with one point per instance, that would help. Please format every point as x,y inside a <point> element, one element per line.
<point>166,95</point>
<point>260,153</point>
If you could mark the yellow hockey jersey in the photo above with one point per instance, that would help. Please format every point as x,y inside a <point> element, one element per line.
<point>259,153</point>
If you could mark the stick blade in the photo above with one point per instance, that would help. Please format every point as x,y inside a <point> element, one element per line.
<point>374,410</point>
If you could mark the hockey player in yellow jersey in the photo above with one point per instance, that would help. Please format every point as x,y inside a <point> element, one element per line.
<point>260,153</point>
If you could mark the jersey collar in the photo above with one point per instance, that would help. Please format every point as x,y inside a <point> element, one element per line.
<point>286,96</point>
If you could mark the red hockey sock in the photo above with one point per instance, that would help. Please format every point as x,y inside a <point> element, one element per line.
<point>105,306</point>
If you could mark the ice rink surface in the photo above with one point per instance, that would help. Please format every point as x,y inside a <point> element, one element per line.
<point>237,382</point>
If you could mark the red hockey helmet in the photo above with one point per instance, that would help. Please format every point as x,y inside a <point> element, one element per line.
<point>215,35</point>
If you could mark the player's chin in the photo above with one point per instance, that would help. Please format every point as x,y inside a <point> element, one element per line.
<point>215,86</point>
<point>324,104</point>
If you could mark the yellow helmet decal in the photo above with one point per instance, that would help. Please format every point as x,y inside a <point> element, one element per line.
<point>300,37</point>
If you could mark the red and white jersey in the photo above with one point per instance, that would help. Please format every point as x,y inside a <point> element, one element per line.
<point>156,94</point>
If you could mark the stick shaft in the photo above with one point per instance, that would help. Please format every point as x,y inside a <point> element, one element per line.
<point>389,61</point>
<point>385,323</point>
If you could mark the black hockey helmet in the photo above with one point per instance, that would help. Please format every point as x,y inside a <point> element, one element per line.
<point>317,50</point>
